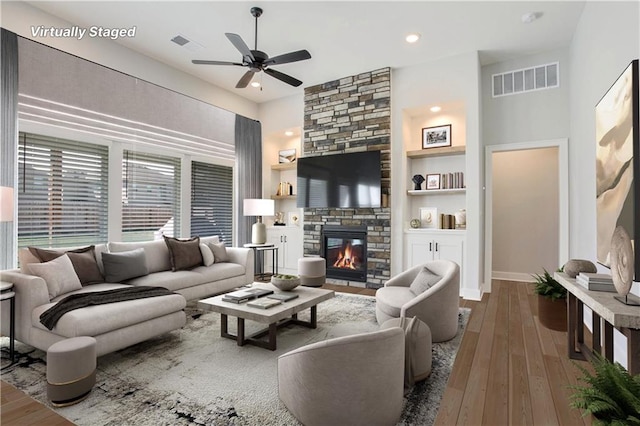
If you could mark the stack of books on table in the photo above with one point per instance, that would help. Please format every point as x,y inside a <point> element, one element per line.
<point>241,296</point>
<point>596,282</point>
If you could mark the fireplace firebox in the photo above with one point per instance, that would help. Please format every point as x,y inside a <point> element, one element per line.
<point>345,251</point>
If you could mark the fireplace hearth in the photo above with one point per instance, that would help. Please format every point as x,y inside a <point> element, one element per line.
<point>345,251</point>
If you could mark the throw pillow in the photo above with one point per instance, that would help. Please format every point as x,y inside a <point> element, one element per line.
<point>219,252</point>
<point>82,259</point>
<point>59,275</point>
<point>207,255</point>
<point>125,265</point>
<point>423,281</point>
<point>184,254</point>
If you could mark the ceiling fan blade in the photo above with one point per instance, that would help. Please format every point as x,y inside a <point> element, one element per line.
<point>237,41</point>
<point>246,78</point>
<point>299,55</point>
<point>202,62</point>
<point>283,77</point>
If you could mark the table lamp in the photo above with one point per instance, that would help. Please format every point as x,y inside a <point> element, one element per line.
<point>258,207</point>
<point>6,204</point>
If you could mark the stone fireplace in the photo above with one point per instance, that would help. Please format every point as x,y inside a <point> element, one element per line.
<point>349,115</point>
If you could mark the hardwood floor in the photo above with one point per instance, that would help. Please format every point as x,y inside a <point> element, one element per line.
<point>509,370</point>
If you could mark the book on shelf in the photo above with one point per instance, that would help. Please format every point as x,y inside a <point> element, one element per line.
<point>264,303</point>
<point>596,282</point>
<point>284,297</point>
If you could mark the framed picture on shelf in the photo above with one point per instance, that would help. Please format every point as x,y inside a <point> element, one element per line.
<point>436,137</point>
<point>287,156</point>
<point>428,217</point>
<point>433,181</point>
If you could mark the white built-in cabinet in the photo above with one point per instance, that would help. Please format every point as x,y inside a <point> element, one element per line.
<point>423,245</point>
<point>288,239</point>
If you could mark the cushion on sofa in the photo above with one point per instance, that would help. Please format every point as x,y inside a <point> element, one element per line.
<point>184,254</point>
<point>178,280</point>
<point>207,255</point>
<point>100,319</point>
<point>58,274</point>
<point>122,266</point>
<point>83,260</point>
<point>220,254</point>
<point>423,281</point>
<point>156,252</point>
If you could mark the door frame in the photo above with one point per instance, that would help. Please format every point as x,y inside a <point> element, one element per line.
<point>563,202</point>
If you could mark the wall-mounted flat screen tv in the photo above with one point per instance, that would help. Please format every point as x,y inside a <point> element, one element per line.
<point>618,164</point>
<point>341,180</point>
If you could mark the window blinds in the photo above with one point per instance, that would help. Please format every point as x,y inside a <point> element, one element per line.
<point>211,201</point>
<point>150,196</point>
<point>62,192</point>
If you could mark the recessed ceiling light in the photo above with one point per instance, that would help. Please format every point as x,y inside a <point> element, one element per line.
<point>412,38</point>
<point>435,109</point>
<point>288,133</point>
<point>255,84</point>
<point>529,17</point>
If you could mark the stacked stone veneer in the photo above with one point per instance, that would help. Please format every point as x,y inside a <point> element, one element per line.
<point>349,115</point>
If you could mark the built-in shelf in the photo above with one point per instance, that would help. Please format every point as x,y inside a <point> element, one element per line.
<point>284,166</point>
<point>437,152</point>
<point>436,191</point>
<point>283,197</point>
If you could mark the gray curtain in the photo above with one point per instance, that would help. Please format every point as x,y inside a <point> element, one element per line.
<point>248,135</point>
<point>8,138</point>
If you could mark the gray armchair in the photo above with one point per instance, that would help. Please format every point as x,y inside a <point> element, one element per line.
<point>352,380</point>
<point>437,306</point>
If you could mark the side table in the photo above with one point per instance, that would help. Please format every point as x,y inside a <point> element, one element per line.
<point>259,260</point>
<point>7,293</point>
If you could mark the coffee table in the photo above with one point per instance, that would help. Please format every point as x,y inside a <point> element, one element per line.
<point>276,316</point>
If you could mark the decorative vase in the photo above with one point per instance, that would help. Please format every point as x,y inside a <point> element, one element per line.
<point>552,313</point>
<point>285,284</point>
<point>461,218</point>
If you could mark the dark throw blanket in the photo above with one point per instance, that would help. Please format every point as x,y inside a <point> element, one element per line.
<point>50,317</point>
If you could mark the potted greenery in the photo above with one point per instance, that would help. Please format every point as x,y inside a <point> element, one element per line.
<point>552,305</point>
<point>611,394</point>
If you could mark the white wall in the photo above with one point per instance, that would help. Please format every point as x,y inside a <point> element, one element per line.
<point>18,16</point>
<point>454,79</point>
<point>599,53</point>
<point>529,116</point>
<point>525,212</point>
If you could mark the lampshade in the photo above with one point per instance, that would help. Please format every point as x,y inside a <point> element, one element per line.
<point>259,207</point>
<point>6,204</point>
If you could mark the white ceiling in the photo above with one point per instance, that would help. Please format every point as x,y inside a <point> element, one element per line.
<point>344,38</point>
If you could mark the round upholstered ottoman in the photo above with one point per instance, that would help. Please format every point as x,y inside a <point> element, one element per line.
<point>417,345</point>
<point>312,271</point>
<point>71,370</point>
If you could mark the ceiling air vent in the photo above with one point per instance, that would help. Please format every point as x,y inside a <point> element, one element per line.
<point>179,40</point>
<point>526,80</point>
<point>188,44</point>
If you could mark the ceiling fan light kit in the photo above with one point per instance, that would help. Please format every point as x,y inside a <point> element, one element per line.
<point>257,60</point>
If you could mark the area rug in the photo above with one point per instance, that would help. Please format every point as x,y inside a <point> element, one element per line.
<point>194,377</point>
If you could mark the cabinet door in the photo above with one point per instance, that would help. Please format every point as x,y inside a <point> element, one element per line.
<point>292,250</point>
<point>276,238</point>
<point>448,248</point>
<point>419,250</point>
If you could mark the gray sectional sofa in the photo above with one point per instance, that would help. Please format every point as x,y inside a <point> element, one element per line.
<point>118,325</point>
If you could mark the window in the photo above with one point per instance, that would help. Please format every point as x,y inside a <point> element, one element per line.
<point>150,196</point>
<point>211,201</point>
<point>62,195</point>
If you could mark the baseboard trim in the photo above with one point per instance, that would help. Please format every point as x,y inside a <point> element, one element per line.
<point>512,276</point>
<point>471,294</point>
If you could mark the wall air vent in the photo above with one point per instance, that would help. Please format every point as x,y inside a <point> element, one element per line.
<point>540,77</point>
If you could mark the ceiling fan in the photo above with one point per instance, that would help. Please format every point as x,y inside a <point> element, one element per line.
<point>257,60</point>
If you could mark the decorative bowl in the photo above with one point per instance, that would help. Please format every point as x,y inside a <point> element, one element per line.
<point>285,282</point>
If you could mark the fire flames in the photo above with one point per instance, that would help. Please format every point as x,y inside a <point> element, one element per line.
<point>347,260</point>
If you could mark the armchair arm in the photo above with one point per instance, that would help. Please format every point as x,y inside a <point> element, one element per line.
<point>404,279</point>
<point>243,256</point>
<point>31,292</point>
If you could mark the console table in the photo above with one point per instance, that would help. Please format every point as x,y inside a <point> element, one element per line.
<point>624,318</point>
